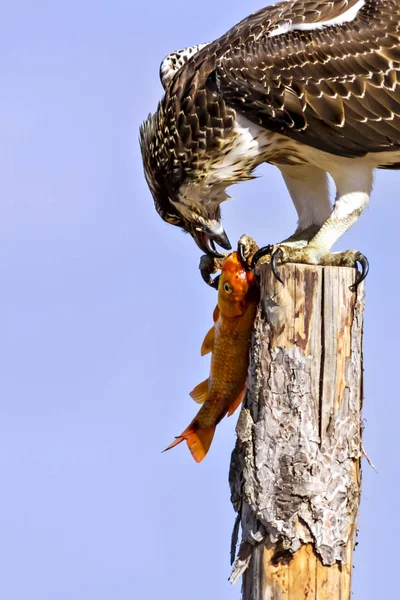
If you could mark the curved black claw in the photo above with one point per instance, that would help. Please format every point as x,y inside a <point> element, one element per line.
<point>209,280</point>
<point>215,282</point>
<point>209,265</point>
<point>274,257</point>
<point>264,251</point>
<point>361,275</point>
<point>242,257</point>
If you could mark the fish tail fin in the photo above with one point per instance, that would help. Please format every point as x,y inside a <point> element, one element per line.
<point>198,440</point>
<point>176,441</point>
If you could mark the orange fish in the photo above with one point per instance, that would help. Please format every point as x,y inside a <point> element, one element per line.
<point>229,341</point>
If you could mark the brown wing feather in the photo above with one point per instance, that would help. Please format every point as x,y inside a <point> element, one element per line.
<point>336,88</point>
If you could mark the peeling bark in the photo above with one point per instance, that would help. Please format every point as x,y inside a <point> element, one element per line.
<point>295,472</point>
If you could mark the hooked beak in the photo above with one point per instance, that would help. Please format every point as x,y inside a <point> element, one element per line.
<point>206,241</point>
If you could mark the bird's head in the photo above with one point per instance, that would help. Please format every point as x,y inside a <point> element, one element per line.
<point>177,173</point>
<point>198,206</point>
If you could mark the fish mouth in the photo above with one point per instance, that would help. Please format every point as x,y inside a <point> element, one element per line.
<point>206,241</point>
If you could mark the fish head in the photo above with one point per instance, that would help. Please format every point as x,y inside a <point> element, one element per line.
<point>235,287</point>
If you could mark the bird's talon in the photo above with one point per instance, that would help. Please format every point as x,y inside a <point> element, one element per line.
<point>264,251</point>
<point>277,254</point>
<point>361,275</point>
<point>207,266</point>
<point>243,260</point>
<point>214,282</point>
<point>209,280</point>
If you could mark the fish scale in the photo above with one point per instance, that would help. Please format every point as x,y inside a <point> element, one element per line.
<point>233,326</point>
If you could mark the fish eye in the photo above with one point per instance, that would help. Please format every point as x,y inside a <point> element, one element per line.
<point>227,288</point>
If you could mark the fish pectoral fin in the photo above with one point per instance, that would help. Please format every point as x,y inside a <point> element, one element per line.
<point>237,402</point>
<point>208,342</point>
<point>200,392</point>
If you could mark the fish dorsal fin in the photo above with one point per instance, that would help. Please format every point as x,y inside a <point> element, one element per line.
<point>208,342</point>
<point>200,392</point>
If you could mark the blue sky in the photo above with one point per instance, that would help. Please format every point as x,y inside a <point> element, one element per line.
<point>103,313</point>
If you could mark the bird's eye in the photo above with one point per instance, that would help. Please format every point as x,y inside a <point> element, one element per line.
<point>173,220</point>
<point>227,288</point>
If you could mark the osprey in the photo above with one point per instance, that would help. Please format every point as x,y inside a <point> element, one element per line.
<point>312,87</point>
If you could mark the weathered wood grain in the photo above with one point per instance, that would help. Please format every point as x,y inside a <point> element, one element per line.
<point>295,472</point>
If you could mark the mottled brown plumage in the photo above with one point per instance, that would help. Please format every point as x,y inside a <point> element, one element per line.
<point>296,75</point>
<point>335,88</point>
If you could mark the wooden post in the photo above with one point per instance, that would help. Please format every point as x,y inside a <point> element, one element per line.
<point>295,472</point>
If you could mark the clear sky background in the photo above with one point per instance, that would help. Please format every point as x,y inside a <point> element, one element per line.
<point>102,314</point>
